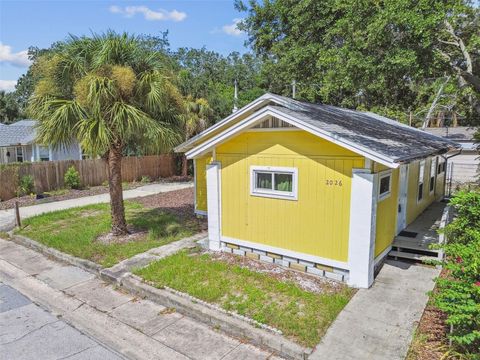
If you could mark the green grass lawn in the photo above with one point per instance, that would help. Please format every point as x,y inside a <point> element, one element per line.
<point>74,231</point>
<point>301,315</point>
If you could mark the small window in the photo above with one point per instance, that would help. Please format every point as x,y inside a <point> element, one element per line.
<point>384,188</point>
<point>43,153</point>
<point>433,167</point>
<point>275,182</point>
<point>19,153</point>
<point>421,174</point>
<point>441,167</point>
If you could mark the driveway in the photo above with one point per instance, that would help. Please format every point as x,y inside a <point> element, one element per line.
<point>7,217</point>
<point>378,323</point>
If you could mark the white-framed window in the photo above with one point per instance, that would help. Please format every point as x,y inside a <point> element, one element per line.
<point>274,182</point>
<point>43,153</point>
<point>384,185</point>
<point>19,153</point>
<point>433,168</point>
<point>441,167</point>
<point>421,175</point>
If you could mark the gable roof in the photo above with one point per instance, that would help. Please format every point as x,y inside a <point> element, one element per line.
<point>368,134</point>
<point>20,133</point>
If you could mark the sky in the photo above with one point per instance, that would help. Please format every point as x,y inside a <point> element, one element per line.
<point>190,23</point>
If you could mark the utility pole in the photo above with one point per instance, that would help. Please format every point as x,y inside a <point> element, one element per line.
<point>235,98</point>
<point>294,88</point>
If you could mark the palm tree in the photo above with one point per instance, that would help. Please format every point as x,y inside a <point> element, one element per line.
<point>195,118</point>
<point>105,92</point>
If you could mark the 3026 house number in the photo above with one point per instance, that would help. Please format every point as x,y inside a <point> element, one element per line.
<point>333,182</point>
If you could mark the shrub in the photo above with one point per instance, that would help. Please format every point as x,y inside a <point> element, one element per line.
<point>458,293</point>
<point>145,179</point>
<point>72,178</point>
<point>26,185</point>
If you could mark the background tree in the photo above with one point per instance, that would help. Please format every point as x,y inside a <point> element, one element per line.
<point>196,117</point>
<point>9,109</point>
<point>366,54</point>
<point>106,91</point>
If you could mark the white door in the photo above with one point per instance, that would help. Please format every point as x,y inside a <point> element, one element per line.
<point>402,198</point>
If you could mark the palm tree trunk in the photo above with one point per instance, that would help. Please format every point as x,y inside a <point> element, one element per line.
<point>119,225</point>
<point>184,165</point>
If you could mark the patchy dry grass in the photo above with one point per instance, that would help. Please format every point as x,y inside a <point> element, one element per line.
<point>75,231</point>
<point>301,315</point>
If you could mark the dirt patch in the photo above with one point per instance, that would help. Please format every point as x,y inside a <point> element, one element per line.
<point>178,202</point>
<point>134,235</point>
<point>305,281</point>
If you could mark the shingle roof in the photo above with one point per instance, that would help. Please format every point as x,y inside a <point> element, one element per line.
<point>459,133</point>
<point>390,138</point>
<point>19,133</point>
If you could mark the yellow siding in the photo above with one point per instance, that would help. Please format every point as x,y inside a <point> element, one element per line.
<point>415,208</point>
<point>201,182</point>
<point>386,214</point>
<point>318,222</point>
<point>440,186</point>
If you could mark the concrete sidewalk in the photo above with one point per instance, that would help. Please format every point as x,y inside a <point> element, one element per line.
<point>7,217</point>
<point>378,323</point>
<point>135,328</point>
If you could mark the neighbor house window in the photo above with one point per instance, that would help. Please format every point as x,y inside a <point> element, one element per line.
<point>421,174</point>
<point>19,153</point>
<point>275,182</point>
<point>433,167</point>
<point>384,186</point>
<point>43,153</point>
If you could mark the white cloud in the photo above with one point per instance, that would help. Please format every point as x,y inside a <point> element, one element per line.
<point>149,14</point>
<point>17,59</point>
<point>232,29</point>
<point>7,85</point>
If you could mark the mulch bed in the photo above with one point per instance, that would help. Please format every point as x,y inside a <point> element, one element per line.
<point>75,194</point>
<point>178,202</point>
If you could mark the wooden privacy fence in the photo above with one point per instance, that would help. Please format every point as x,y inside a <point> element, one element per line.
<point>48,175</point>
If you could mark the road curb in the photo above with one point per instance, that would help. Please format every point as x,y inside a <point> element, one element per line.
<point>231,323</point>
<point>58,255</point>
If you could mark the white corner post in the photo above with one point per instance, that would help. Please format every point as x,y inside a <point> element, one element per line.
<point>214,205</point>
<point>361,245</point>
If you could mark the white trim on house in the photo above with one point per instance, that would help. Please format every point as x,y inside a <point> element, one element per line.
<point>421,180</point>
<point>382,255</point>
<point>286,252</point>
<point>382,175</point>
<point>402,201</point>
<point>251,106</point>
<point>361,244</point>
<point>285,129</point>
<point>290,195</point>
<point>214,205</point>
<point>270,111</point>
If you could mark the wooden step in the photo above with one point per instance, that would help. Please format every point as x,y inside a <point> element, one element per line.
<point>412,245</point>
<point>410,256</point>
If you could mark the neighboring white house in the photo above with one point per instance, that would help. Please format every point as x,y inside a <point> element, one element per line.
<point>17,144</point>
<point>465,167</point>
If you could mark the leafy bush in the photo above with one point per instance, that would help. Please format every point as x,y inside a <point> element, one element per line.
<point>145,179</point>
<point>72,178</point>
<point>26,185</point>
<point>458,293</point>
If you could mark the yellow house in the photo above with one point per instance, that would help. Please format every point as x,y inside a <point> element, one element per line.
<point>313,187</point>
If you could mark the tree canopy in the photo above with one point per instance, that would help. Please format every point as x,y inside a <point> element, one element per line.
<point>389,56</point>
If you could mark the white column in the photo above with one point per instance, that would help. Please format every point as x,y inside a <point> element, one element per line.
<point>361,246</point>
<point>213,205</point>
